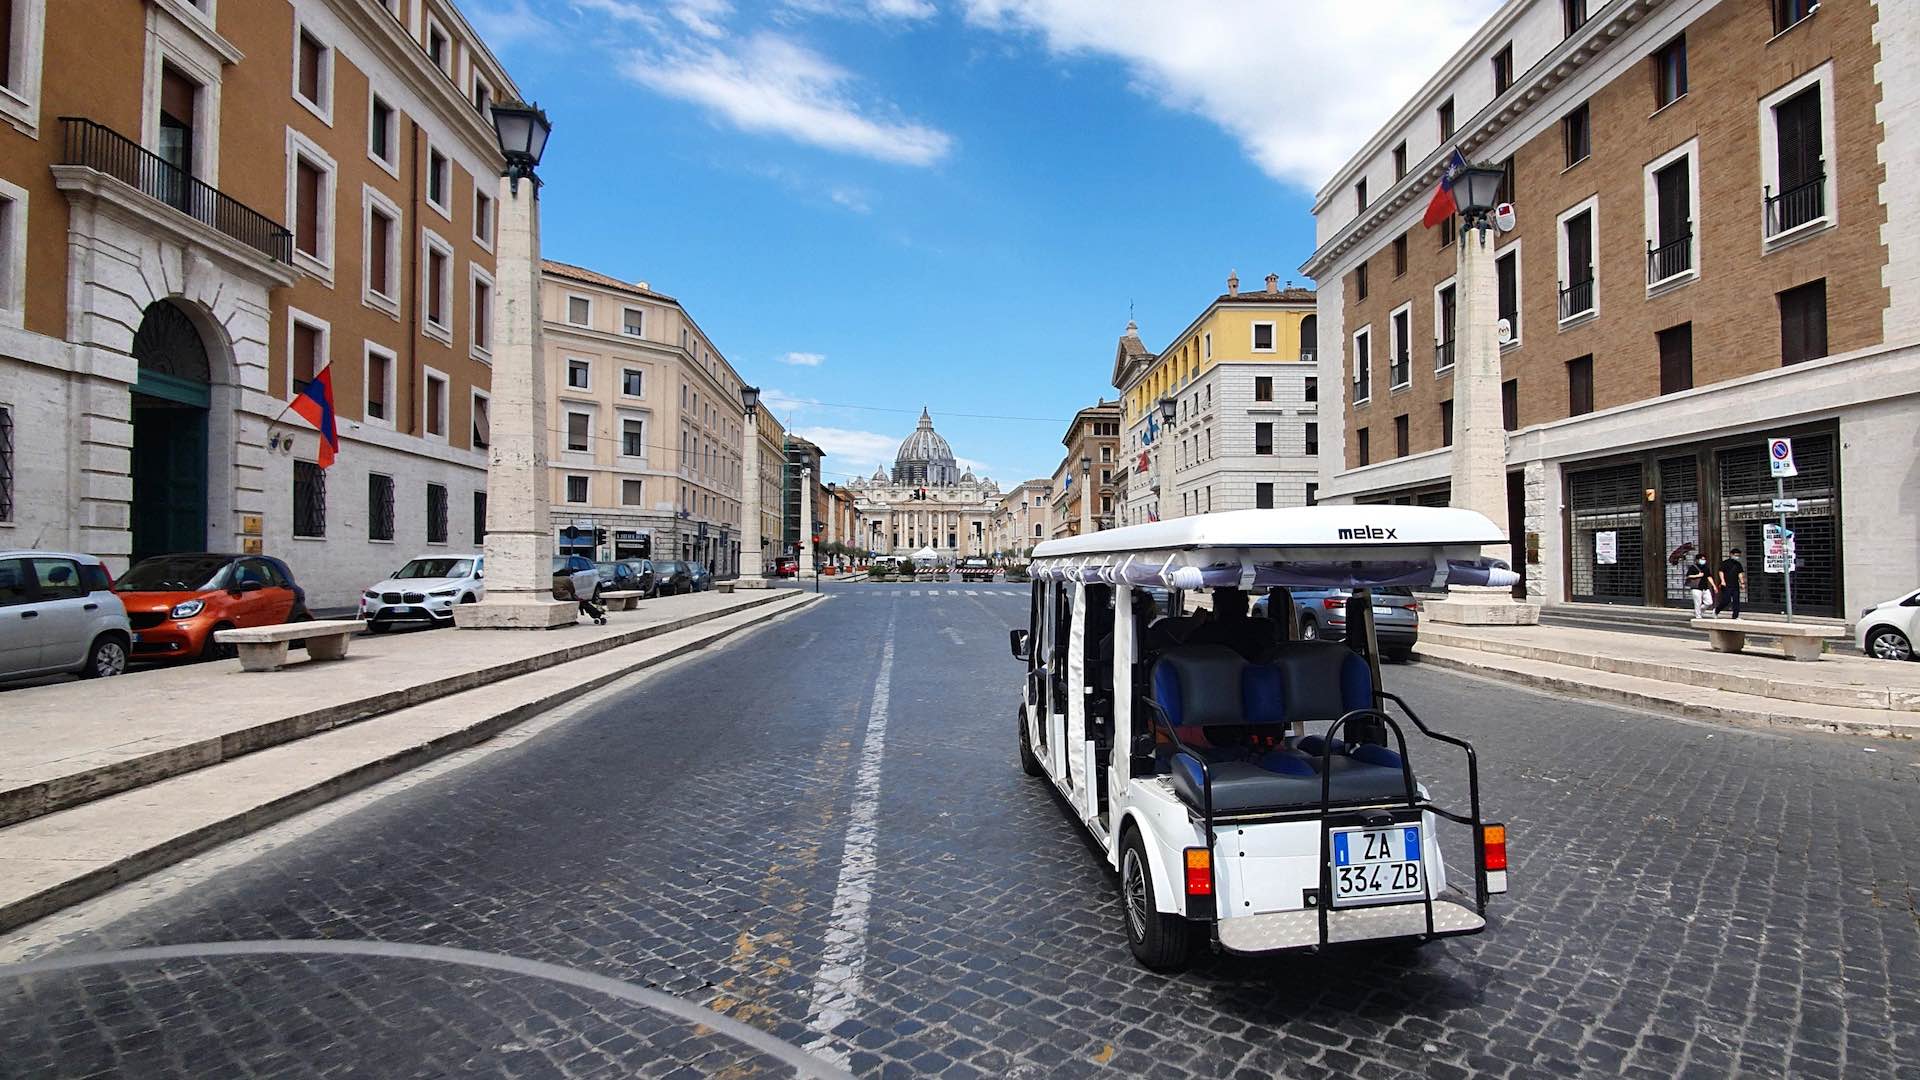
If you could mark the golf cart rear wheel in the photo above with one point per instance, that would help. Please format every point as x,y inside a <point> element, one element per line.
<point>1159,941</point>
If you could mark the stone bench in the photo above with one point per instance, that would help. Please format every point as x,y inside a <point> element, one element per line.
<point>264,648</point>
<point>622,599</point>
<point>1798,641</point>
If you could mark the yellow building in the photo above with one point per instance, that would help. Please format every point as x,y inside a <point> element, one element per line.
<point>1246,429</point>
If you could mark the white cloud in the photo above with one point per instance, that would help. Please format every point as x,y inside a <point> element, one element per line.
<point>851,451</point>
<point>513,24</point>
<point>770,85</point>
<point>902,10</point>
<point>1297,84</point>
<point>851,198</point>
<point>803,359</point>
<point>784,403</point>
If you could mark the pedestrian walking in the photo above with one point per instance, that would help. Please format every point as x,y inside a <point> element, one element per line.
<point>1700,583</point>
<point>1733,581</point>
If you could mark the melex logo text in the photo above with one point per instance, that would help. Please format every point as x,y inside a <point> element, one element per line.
<point>1369,532</point>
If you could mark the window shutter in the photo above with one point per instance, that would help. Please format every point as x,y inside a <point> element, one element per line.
<point>177,93</point>
<point>1797,122</point>
<point>307,205</point>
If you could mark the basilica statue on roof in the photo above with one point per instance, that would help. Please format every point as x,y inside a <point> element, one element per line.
<point>927,503</point>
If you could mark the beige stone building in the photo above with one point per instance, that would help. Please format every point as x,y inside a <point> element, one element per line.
<point>1093,460</point>
<point>1717,241</point>
<point>202,205</point>
<point>928,501</point>
<point>1023,518</point>
<point>648,424</point>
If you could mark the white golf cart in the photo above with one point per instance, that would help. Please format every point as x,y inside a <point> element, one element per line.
<point>1261,790</point>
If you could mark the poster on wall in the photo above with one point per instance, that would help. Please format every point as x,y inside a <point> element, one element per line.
<point>1606,548</point>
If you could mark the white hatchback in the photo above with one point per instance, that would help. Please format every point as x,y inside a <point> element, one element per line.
<point>1888,630</point>
<point>58,614</point>
<point>424,592</point>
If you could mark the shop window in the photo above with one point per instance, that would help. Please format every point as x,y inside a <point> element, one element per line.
<point>1608,535</point>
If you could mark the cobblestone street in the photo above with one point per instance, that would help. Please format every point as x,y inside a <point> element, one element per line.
<point>1687,899</point>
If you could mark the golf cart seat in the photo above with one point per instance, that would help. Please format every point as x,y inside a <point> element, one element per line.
<point>1204,688</point>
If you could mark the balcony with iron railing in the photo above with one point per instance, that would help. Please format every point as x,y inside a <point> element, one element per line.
<point>1800,205</point>
<point>1576,299</point>
<point>1670,260</point>
<point>1400,369</point>
<point>104,150</point>
<point>1443,355</point>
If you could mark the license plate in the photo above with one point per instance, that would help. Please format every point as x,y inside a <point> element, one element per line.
<point>136,637</point>
<point>1383,611</point>
<point>1373,866</point>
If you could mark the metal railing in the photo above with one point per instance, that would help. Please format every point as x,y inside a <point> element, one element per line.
<point>1400,369</point>
<point>106,150</point>
<point>1576,299</point>
<point>1670,259</point>
<point>1795,206</point>
<point>1443,355</point>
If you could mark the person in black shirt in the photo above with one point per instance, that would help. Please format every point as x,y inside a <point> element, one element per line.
<point>1733,579</point>
<point>1700,583</point>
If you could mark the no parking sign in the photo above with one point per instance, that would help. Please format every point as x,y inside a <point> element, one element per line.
<point>1780,458</point>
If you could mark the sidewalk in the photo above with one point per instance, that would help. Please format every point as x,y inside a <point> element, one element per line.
<point>1843,692</point>
<point>59,858</point>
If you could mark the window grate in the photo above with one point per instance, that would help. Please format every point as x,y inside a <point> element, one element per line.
<point>1746,508</point>
<point>309,499</point>
<point>6,464</point>
<point>436,513</point>
<point>1605,506</point>
<point>379,507</point>
<point>1680,510</point>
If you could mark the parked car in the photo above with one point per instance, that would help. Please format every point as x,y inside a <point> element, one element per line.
<point>1889,629</point>
<point>58,614</point>
<point>564,569</point>
<point>786,566</point>
<point>976,569</point>
<point>1322,615</point>
<point>423,592</point>
<point>176,602</point>
<point>672,577</point>
<point>626,575</point>
<point>700,575</point>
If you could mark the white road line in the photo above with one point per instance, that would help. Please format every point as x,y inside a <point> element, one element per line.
<point>953,636</point>
<point>837,988</point>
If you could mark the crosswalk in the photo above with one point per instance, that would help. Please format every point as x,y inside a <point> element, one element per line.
<point>975,591</point>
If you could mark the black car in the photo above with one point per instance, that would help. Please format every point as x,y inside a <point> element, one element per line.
<point>672,577</point>
<point>626,575</point>
<point>701,575</point>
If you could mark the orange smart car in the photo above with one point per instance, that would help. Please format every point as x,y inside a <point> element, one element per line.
<point>176,602</point>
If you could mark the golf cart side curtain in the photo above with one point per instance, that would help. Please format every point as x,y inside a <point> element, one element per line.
<point>1209,570</point>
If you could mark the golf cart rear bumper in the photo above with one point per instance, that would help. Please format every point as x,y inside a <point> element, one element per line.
<point>1284,931</point>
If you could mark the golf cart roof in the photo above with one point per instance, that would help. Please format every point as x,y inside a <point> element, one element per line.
<point>1348,546</point>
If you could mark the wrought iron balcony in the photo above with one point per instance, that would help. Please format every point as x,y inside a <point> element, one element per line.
<point>105,150</point>
<point>1796,206</point>
<point>1670,259</point>
<point>1576,299</point>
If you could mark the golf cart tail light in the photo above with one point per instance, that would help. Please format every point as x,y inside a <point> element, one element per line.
<point>1494,841</point>
<point>1199,872</point>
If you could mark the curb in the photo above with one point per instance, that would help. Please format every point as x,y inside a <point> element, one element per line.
<point>64,792</point>
<point>1653,702</point>
<point>93,883</point>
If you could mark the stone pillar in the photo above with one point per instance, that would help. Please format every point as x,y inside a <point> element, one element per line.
<point>1163,465</point>
<point>803,550</point>
<point>752,568</point>
<point>519,545</point>
<point>1086,502</point>
<point>1479,458</point>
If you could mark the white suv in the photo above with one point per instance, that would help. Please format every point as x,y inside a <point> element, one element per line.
<point>424,592</point>
<point>58,614</point>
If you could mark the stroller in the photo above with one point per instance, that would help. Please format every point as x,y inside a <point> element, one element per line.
<point>584,584</point>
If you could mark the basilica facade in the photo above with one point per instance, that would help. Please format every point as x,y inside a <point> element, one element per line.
<point>927,503</point>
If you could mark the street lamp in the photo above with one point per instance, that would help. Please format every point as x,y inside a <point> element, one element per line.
<point>1477,191</point>
<point>519,527</point>
<point>1169,411</point>
<point>752,568</point>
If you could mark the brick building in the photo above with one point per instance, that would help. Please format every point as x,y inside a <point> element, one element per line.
<point>1718,240</point>
<point>203,205</point>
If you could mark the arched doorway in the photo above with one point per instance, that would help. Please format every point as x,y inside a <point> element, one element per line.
<point>170,407</point>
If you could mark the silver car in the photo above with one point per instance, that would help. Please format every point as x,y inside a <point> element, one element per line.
<point>58,614</point>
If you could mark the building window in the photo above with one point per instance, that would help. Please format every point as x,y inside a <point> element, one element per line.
<point>1576,135</point>
<point>1676,358</point>
<point>313,74</point>
<point>1794,173</point>
<point>1803,322</point>
<point>1446,422</point>
<point>1310,392</point>
<point>633,382</point>
<point>1360,282</point>
<point>439,48</point>
<point>1362,366</point>
<point>633,492</point>
<point>1505,194</point>
<point>1510,405</point>
<point>382,248</point>
<point>579,311</point>
<point>579,433</point>
<point>309,499</point>
<point>13,254</point>
<point>1788,14</point>
<point>6,463</point>
<point>1506,267</point>
<point>1400,160</point>
<point>483,218</point>
<point>439,182</point>
<point>179,109</point>
<point>436,404</point>
<point>1401,340</point>
<point>1263,337</point>
<point>482,311</point>
<point>1400,255</point>
<point>1313,494</point>
<point>1400,437</point>
<point>480,519</point>
<point>633,438</point>
<point>307,354</point>
<point>439,286</point>
<point>1365,446</point>
<point>1311,434</point>
<point>1263,438</point>
<point>1670,240</point>
<point>1577,290</point>
<point>1449,230</point>
<point>379,507</point>
<point>634,322</point>
<point>313,207</point>
<point>482,97</point>
<point>1575,14</point>
<point>437,513</point>
<point>1206,352</point>
<point>1445,115</point>
<point>1443,321</point>
<point>482,435</point>
<point>1580,386</point>
<point>1360,196</point>
<point>579,375</point>
<point>379,384</point>
<point>1263,388</point>
<point>1503,69</point>
<point>1670,72</point>
<point>383,132</point>
<point>576,489</point>
<point>1263,496</point>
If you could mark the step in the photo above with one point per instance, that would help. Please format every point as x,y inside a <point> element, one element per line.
<point>1657,696</point>
<point>67,744</point>
<point>58,859</point>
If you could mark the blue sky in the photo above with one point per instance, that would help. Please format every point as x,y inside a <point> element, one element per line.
<point>950,203</point>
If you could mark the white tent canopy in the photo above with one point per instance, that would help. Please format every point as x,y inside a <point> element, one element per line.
<point>925,554</point>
